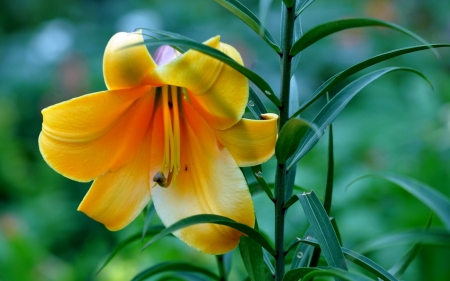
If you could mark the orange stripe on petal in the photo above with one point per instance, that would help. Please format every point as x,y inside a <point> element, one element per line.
<point>88,136</point>
<point>209,182</point>
<point>116,198</point>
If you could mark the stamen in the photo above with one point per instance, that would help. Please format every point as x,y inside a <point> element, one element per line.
<point>176,129</point>
<point>161,180</point>
<point>169,157</point>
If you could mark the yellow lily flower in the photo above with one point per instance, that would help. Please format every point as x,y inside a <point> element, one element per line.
<point>170,129</point>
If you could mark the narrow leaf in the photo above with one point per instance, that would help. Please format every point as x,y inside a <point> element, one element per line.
<point>268,262</point>
<point>302,5</point>
<point>288,3</point>
<point>257,172</point>
<point>323,30</point>
<point>306,274</point>
<point>435,237</point>
<point>427,195</point>
<point>252,256</point>
<point>255,78</point>
<point>341,76</point>
<point>322,229</point>
<point>330,173</point>
<point>251,20</point>
<point>360,260</point>
<point>303,251</point>
<point>298,32</point>
<point>148,217</point>
<point>215,219</point>
<point>332,109</point>
<point>150,231</point>
<point>173,266</point>
<point>255,105</point>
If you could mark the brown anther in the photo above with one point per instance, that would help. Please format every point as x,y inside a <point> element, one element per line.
<point>161,180</point>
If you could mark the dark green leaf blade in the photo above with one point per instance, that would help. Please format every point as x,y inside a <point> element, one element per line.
<point>255,78</point>
<point>437,237</point>
<point>151,212</point>
<point>249,19</point>
<point>301,6</point>
<point>257,172</point>
<point>255,105</point>
<point>215,219</point>
<point>150,231</point>
<point>331,27</point>
<point>341,76</point>
<point>173,266</point>
<point>303,252</point>
<point>330,111</point>
<point>360,260</point>
<point>306,274</point>
<point>252,256</point>
<point>322,229</point>
<point>427,195</point>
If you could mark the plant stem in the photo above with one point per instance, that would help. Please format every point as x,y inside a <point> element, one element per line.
<point>221,265</point>
<point>280,180</point>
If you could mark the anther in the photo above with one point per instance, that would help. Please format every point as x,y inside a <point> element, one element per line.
<point>161,180</point>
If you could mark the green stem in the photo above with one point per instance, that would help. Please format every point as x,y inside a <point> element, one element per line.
<point>280,180</point>
<point>221,265</point>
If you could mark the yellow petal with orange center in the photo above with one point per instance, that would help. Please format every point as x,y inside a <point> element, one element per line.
<point>209,182</point>
<point>85,137</point>
<point>251,142</point>
<point>218,92</point>
<point>125,66</point>
<point>116,198</point>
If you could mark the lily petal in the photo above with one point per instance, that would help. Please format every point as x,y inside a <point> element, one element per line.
<point>88,136</point>
<point>124,66</point>
<point>218,92</point>
<point>209,182</point>
<point>116,198</point>
<point>251,142</point>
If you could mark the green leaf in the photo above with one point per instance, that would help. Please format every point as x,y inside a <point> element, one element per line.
<point>215,219</point>
<point>332,109</point>
<point>255,105</point>
<point>427,195</point>
<point>251,20</point>
<point>166,33</point>
<point>150,231</point>
<point>330,172</point>
<point>302,5</point>
<point>303,252</point>
<point>257,172</point>
<point>322,229</point>
<point>331,27</point>
<point>400,267</point>
<point>307,274</point>
<point>252,256</point>
<point>360,260</point>
<point>436,237</point>
<point>341,76</point>
<point>148,217</point>
<point>255,78</point>
<point>268,262</point>
<point>173,266</point>
<point>289,138</point>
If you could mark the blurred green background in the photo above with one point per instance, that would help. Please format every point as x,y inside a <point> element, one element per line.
<point>51,51</point>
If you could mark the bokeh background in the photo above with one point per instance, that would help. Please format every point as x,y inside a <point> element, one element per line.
<point>51,51</point>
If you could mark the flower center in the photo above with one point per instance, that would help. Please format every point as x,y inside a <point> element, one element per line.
<point>170,102</point>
